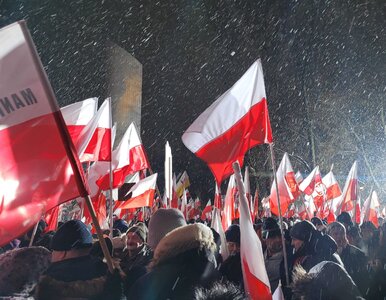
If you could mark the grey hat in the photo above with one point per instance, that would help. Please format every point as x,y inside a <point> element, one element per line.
<point>162,222</point>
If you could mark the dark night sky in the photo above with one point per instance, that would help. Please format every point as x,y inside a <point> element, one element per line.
<point>324,66</point>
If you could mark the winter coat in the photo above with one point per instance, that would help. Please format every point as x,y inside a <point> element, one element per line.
<point>231,270</point>
<point>83,277</point>
<point>135,266</point>
<point>183,259</point>
<point>320,248</point>
<point>272,265</point>
<point>355,263</point>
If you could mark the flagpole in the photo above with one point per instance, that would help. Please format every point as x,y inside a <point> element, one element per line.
<point>33,234</point>
<point>280,215</point>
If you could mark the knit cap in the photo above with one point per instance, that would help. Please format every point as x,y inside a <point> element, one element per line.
<point>140,230</point>
<point>162,222</point>
<point>233,234</point>
<point>73,234</point>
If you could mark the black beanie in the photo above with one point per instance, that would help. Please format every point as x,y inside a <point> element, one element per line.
<point>73,234</point>
<point>303,231</point>
<point>233,234</point>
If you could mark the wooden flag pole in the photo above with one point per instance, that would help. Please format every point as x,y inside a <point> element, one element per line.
<point>280,215</point>
<point>102,241</point>
<point>33,234</point>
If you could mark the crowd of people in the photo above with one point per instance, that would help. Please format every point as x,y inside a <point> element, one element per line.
<point>167,257</point>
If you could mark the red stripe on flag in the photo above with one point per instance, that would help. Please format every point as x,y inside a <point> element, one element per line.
<point>99,147</point>
<point>36,171</point>
<point>256,289</point>
<point>138,161</point>
<point>252,129</point>
<point>145,199</point>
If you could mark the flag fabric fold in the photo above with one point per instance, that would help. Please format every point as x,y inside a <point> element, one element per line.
<point>350,191</point>
<point>128,158</point>
<point>142,193</point>
<point>288,188</point>
<point>218,137</point>
<point>39,165</point>
<point>255,276</point>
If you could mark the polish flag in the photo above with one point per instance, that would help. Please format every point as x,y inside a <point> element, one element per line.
<point>287,184</point>
<point>77,115</point>
<point>350,191</point>
<point>216,225</point>
<point>370,209</point>
<point>129,157</point>
<point>217,197</point>
<point>333,192</point>
<point>229,201</point>
<point>39,165</point>
<point>313,186</point>
<point>174,200</point>
<point>97,143</point>
<point>255,276</point>
<point>219,137</point>
<point>142,193</point>
<point>207,212</point>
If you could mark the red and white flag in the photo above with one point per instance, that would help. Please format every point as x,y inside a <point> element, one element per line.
<point>288,188</point>
<point>350,191</point>
<point>255,276</point>
<point>217,198</point>
<point>97,144</point>
<point>313,186</point>
<point>229,205</point>
<point>332,195</point>
<point>370,209</point>
<point>220,138</point>
<point>299,177</point>
<point>129,157</point>
<point>77,115</point>
<point>207,212</point>
<point>142,193</point>
<point>39,168</point>
<point>216,225</point>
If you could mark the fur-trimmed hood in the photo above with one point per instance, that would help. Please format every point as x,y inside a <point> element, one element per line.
<point>182,239</point>
<point>50,288</point>
<point>326,281</point>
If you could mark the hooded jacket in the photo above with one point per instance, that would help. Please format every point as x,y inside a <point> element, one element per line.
<point>183,259</point>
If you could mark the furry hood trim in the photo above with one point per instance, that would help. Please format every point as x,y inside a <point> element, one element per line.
<point>50,288</point>
<point>181,240</point>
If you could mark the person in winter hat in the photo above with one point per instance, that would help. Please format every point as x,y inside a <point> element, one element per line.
<point>325,281</point>
<point>311,246</point>
<point>231,267</point>
<point>162,222</point>
<point>273,254</point>
<point>20,271</point>
<point>183,259</point>
<point>136,255</point>
<point>354,259</point>
<point>74,273</point>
